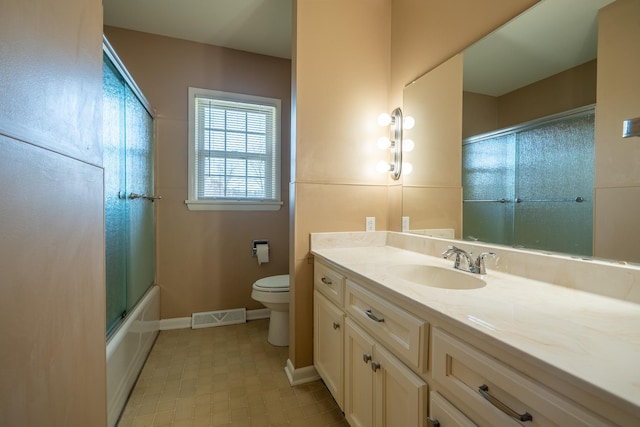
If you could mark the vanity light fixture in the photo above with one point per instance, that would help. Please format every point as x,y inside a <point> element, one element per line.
<point>395,143</point>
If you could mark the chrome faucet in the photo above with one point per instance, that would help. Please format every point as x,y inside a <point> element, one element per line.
<point>460,253</point>
<point>476,267</point>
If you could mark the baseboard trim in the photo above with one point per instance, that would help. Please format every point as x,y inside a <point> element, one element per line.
<point>175,323</point>
<point>261,313</point>
<point>185,322</point>
<point>300,375</point>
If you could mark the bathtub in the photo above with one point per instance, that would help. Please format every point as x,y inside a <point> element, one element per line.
<point>127,351</point>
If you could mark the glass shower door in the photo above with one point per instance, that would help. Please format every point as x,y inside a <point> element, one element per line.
<point>554,186</point>
<point>139,177</point>
<point>488,175</point>
<point>128,187</point>
<point>532,186</point>
<point>115,202</point>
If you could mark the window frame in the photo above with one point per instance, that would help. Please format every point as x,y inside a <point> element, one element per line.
<point>230,203</point>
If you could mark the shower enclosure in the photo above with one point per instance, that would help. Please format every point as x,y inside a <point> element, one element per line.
<point>532,185</point>
<point>128,181</point>
<point>133,302</point>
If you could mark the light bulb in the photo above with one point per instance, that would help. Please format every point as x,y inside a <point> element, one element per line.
<point>384,119</point>
<point>407,168</point>
<point>384,143</point>
<point>408,145</point>
<point>408,122</point>
<point>383,166</point>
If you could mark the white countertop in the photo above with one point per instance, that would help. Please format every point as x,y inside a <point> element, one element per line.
<point>592,341</point>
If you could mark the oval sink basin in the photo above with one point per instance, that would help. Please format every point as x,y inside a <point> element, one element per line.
<point>436,277</point>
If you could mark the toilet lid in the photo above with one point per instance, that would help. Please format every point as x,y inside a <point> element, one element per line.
<point>273,283</point>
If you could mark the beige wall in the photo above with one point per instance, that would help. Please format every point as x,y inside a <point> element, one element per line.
<point>617,170</point>
<point>341,77</point>
<point>204,258</point>
<point>52,297</point>
<point>432,193</point>
<point>564,91</point>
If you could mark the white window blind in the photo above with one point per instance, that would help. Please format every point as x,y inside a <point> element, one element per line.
<point>235,150</point>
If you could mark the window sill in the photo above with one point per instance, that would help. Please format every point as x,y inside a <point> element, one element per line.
<point>232,205</point>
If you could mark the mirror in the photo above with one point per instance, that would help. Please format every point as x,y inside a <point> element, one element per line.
<point>563,58</point>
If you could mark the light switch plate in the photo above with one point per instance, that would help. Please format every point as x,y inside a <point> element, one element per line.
<point>370,223</point>
<point>405,224</point>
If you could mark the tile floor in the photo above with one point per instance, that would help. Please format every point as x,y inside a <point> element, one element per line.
<point>224,376</point>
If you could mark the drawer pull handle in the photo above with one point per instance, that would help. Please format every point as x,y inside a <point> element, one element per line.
<point>366,357</point>
<point>326,281</point>
<point>484,392</point>
<point>375,366</point>
<point>336,325</point>
<point>373,317</point>
<point>432,423</point>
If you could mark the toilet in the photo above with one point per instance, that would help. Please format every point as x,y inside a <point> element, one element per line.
<point>273,293</point>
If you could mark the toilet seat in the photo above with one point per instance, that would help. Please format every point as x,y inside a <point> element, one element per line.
<point>273,284</point>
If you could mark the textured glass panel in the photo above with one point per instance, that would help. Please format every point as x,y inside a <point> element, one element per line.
<point>546,168</point>
<point>554,226</point>
<point>114,186</point>
<point>488,222</point>
<point>488,169</point>
<point>139,157</point>
<point>555,167</point>
<point>488,176</point>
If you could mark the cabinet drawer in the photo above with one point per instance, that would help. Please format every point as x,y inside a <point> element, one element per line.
<point>444,414</point>
<point>401,332</point>
<point>329,283</point>
<point>492,393</point>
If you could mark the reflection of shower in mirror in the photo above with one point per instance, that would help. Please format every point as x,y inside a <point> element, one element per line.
<point>631,127</point>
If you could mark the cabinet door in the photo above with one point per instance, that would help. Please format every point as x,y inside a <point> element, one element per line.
<point>400,394</point>
<point>359,390</point>
<point>328,349</point>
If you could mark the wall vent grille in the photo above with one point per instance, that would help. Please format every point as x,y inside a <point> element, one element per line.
<point>218,318</point>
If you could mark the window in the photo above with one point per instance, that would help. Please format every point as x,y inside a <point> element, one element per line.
<point>234,151</point>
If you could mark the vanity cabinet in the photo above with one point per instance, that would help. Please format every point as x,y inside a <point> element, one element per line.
<point>491,393</point>
<point>367,351</point>
<point>485,364</point>
<point>328,329</point>
<point>384,347</point>
<point>379,389</point>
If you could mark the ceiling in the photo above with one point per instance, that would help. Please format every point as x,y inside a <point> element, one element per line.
<point>258,26</point>
<point>551,36</point>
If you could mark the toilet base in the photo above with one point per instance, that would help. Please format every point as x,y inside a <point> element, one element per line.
<point>279,328</point>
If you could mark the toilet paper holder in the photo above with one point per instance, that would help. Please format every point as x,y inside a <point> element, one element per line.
<point>254,246</point>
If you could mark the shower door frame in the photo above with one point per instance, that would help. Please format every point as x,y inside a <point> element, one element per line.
<point>124,195</point>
